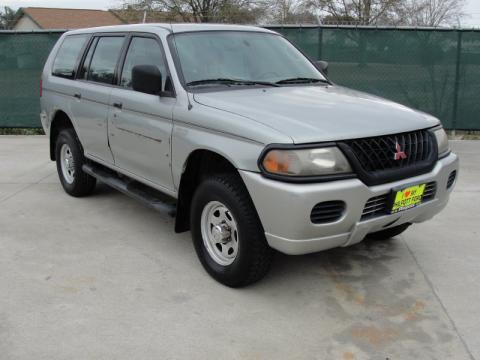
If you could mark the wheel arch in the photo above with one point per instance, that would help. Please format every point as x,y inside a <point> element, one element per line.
<point>59,122</point>
<point>199,164</point>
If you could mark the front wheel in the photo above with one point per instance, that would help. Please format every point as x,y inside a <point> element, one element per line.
<point>227,233</point>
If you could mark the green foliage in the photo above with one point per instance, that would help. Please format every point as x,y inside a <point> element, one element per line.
<point>21,131</point>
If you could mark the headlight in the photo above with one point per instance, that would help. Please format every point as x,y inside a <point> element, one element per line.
<point>305,162</point>
<point>442,141</point>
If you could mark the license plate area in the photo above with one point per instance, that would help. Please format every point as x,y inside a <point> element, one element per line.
<point>406,198</point>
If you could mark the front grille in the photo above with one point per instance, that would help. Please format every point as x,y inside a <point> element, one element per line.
<point>379,205</point>
<point>391,157</point>
<point>451,179</point>
<point>378,153</point>
<point>327,211</point>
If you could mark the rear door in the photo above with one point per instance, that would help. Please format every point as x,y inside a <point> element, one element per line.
<point>94,83</point>
<point>141,124</point>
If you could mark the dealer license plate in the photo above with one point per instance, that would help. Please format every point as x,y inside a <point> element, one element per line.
<point>407,198</point>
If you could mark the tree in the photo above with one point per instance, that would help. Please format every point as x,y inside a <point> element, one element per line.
<point>430,12</point>
<point>288,12</point>
<point>338,20</point>
<point>280,11</point>
<point>390,12</point>
<point>357,12</point>
<point>360,12</point>
<point>235,11</point>
<point>7,18</point>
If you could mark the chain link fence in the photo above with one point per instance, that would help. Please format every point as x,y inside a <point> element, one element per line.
<point>433,70</point>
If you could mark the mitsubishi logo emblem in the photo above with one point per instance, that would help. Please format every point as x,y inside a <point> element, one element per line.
<point>399,154</point>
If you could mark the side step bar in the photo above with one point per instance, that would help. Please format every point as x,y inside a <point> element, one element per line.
<point>150,197</point>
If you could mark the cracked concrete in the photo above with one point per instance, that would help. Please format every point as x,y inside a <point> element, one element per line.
<point>104,277</point>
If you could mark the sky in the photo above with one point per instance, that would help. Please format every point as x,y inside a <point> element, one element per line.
<point>472,8</point>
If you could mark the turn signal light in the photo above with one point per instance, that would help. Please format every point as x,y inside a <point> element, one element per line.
<point>277,162</point>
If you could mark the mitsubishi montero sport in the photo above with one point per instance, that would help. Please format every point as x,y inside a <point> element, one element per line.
<point>241,137</point>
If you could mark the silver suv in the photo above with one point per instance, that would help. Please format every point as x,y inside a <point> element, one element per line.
<point>242,137</point>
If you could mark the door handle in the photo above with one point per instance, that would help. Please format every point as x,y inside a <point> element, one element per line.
<point>77,95</point>
<point>118,105</point>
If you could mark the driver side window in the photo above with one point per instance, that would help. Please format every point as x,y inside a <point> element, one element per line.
<point>144,51</point>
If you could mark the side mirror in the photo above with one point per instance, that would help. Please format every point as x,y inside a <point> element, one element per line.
<point>322,66</point>
<point>147,79</point>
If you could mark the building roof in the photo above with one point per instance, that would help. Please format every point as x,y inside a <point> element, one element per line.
<point>57,18</point>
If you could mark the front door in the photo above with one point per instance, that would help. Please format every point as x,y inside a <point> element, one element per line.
<point>140,125</point>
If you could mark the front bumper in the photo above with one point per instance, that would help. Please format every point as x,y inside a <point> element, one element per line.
<point>284,208</point>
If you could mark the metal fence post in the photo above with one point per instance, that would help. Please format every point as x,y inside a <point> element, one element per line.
<point>457,82</point>
<point>320,42</point>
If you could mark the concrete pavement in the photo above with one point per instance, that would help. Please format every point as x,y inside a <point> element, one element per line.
<point>105,278</point>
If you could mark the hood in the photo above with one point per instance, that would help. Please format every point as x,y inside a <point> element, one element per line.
<point>318,113</point>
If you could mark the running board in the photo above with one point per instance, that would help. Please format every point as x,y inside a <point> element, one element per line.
<point>143,193</point>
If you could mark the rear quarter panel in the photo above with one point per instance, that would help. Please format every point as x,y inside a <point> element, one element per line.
<point>56,92</point>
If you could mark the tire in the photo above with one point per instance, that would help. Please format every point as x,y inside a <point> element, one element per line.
<point>251,256</point>
<point>74,181</point>
<point>388,233</point>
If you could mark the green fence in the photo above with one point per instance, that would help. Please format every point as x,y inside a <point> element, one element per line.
<point>22,56</point>
<point>437,71</point>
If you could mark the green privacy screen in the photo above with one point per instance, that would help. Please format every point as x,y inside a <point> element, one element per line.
<point>22,56</point>
<point>437,71</point>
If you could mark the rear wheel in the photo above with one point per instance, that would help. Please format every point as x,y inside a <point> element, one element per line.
<point>227,233</point>
<point>70,159</point>
<point>388,233</point>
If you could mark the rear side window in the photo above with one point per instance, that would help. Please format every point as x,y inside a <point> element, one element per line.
<point>104,59</point>
<point>83,72</point>
<point>67,56</point>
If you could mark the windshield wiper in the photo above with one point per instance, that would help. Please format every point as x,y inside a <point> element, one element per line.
<point>301,80</point>
<point>228,82</point>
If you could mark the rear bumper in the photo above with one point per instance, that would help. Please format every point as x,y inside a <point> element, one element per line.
<point>284,208</point>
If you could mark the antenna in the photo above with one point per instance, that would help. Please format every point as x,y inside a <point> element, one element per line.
<point>190,106</point>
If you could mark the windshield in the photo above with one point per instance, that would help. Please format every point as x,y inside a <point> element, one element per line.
<point>247,56</point>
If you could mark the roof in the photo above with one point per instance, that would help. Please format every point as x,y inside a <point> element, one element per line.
<point>57,18</point>
<point>175,28</point>
<point>186,27</point>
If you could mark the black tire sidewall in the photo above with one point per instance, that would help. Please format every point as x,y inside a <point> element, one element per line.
<point>69,138</point>
<point>248,227</point>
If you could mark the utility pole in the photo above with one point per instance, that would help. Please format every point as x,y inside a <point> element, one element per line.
<point>146,7</point>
